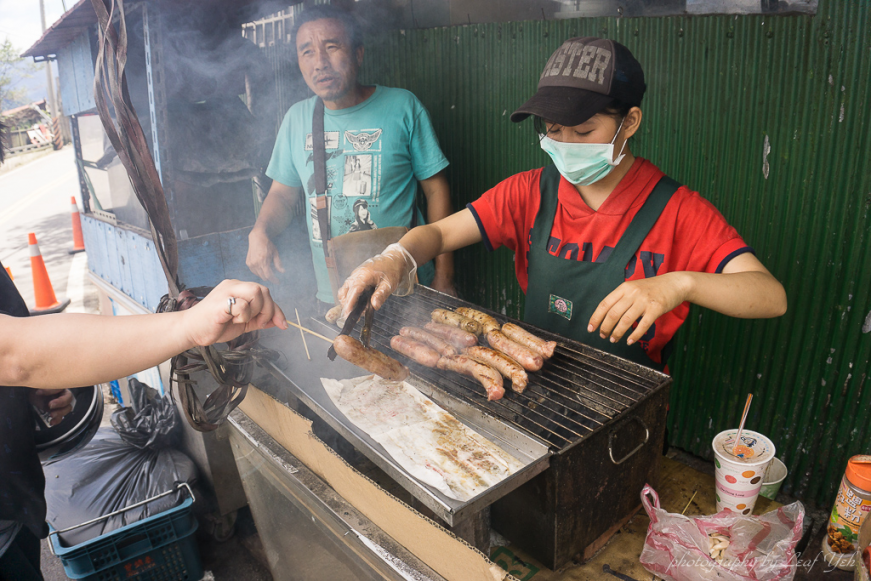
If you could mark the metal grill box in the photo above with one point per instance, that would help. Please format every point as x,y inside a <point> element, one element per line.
<point>589,428</point>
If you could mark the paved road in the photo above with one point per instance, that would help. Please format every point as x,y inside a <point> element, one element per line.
<point>36,198</point>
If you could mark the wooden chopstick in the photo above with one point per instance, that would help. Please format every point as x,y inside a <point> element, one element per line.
<point>301,334</point>
<point>301,328</point>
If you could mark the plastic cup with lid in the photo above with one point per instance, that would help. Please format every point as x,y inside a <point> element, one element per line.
<point>740,468</point>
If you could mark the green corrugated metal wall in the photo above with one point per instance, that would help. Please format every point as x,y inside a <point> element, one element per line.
<point>719,86</point>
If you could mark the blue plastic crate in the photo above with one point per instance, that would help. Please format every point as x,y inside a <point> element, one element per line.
<point>159,548</point>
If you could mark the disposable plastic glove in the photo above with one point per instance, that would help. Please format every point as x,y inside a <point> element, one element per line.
<point>391,272</point>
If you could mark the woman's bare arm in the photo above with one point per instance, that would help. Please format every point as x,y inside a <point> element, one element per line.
<point>452,233</point>
<point>71,350</point>
<point>745,289</point>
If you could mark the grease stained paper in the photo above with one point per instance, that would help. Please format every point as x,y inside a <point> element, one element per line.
<point>428,442</point>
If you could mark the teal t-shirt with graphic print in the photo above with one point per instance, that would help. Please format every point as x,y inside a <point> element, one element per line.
<point>376,153</point>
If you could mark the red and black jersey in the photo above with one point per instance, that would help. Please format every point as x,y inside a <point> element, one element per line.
<point>690,235</point>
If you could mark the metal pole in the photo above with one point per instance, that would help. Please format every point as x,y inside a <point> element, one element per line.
<point>53,112</point>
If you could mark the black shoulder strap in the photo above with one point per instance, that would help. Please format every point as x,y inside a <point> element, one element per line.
<point>319,156</point>
<point>319,152</point>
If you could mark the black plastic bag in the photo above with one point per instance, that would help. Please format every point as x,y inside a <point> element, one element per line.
<point>151,422</point>
<point>119,469</point>
<point>107,475</point>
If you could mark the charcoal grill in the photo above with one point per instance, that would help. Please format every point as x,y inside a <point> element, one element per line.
<point>602,418</point>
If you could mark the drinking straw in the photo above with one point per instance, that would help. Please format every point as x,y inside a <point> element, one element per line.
<point>741,425</point>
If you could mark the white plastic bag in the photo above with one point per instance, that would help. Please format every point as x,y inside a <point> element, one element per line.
<point>762,548</point>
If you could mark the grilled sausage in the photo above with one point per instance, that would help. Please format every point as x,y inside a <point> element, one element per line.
<point>489,377</point>
<point>415,351</point>
<point>451,334</point>
<point>372,360</point>
<point>529,360</point>
<point>536,344</point>
<point>487,322</point>
<point>333,314</point>
<point>446,317</point>
<point>509,368</point>
<point>421,336</point>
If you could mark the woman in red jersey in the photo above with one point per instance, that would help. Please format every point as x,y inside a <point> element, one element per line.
<point>603,240</point>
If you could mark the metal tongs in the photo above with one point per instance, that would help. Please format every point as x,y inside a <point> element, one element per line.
<point>363,307</point>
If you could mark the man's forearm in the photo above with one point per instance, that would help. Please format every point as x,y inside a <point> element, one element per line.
<point>444,265</point>
<point>276,212</point>
<point>438,206</point>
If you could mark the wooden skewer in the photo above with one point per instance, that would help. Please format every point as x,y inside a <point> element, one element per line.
<point>301,334</point>
<point>690,502</point>
<point>741,425</point>
<point>301,328</point>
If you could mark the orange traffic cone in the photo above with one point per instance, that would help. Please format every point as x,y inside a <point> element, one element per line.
<point>78,239</point>
<point>46,301</point>
<point>9,272</point>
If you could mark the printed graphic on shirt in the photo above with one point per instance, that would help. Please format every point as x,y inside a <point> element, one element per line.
<point>358,176</point>
<point>586,252</point>
<point>362,218</point>
<point>363,171</point>
<point>364,140</point>
<point>331,140</point>
<point>338,204</point>
<point>313,211</point>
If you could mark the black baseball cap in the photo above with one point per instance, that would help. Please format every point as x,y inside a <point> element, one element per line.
<point>582,78</point>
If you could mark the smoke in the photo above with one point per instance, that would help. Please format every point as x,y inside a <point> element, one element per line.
<point>222,112</point>
<point>205,55</point>
<point>220,98</point>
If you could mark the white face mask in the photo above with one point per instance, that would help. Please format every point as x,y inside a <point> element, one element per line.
<point>583,164</point>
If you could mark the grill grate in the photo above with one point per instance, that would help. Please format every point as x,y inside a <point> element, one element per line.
<point>578,390</point>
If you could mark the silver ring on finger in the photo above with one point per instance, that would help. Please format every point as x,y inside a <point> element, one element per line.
<point>230,302</point>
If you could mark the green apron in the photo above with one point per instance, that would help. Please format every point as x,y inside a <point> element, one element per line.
<point>563,294</point>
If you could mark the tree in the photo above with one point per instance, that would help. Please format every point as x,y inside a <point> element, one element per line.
<point>13,70</point>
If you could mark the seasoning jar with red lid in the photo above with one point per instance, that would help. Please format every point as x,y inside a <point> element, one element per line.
<point>852,507</point>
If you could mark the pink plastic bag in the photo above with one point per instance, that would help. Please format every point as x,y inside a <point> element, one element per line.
<point>762,548</point>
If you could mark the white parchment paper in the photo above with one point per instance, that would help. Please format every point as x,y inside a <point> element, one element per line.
<point>428,442</point>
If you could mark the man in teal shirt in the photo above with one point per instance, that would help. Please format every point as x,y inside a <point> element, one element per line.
<point>379,144</point>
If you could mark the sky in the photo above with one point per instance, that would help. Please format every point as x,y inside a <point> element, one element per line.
<point>20,23</point>
<point>19,19</point>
